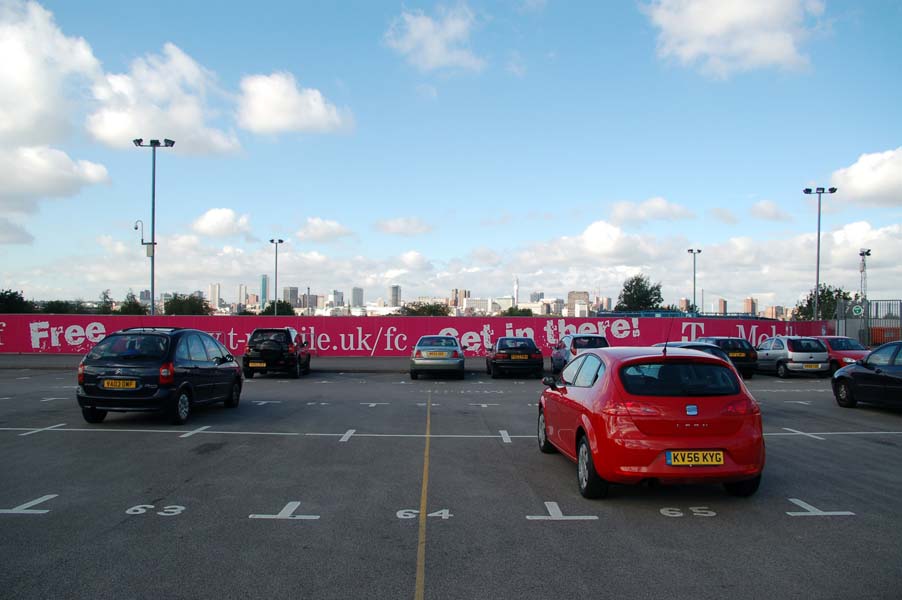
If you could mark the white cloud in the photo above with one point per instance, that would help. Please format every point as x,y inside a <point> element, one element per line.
<point>221,222</point>
<point>33,173</point>
<point>874,179</point>
<point>41,71</point>
<point>725,36</point>
<point>724,215</point>
<point>653,209</point>
<point>162,96</point>
<point>769,211</point>
<point>515,64</point>
<point>430,44</point>
<point>415,261</point>
<point>322,230</point>
<point>12,233</point>
<point>406,226</point>
<point>275,104</point>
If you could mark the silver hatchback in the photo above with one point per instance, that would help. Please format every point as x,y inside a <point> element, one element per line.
<point>789,354</point>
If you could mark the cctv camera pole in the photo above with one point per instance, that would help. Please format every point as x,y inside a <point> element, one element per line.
<point>153,145</point>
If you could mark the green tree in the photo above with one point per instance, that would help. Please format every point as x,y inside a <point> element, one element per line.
<point>14,302</point>
<point>285,308</point>
<point>827,300</point>
<point>59,307</point>
<point>132,306</point>
<point>638,293</point>
<point>106,303</point>
<point>425,309</point>
<point>181,304</point>
<point>513,311</point>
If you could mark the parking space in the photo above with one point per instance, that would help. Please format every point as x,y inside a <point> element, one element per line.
<point>371,485</point>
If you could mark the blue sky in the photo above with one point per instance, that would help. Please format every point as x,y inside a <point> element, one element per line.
<point>443,145</point>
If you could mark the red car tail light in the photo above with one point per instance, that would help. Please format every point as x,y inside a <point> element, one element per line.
<point>536,356</point>
<point>501,355</point>
<point>573,351</point>
<point>418,354</point>
<point>167,373</point>
<point>81,373</point>
<point>630,408</point>
<point>741,408</point>
<point>455,354</point>
<point>292,348</point>
<point>754,354</point>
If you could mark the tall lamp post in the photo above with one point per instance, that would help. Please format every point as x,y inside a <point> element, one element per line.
<point>152,247</point>
<point>817,268</point>
<point>275,291</point>
<point>694,252</point>
<point>864,253</point>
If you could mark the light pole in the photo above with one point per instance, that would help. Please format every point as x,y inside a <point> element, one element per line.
<point>864,253</point>
<point>275,291</point>
<point>153,145</point>
<point>694,252</point>
<point>817,268</point>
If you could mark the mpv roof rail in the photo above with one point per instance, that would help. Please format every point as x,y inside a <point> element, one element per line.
<point>151,328</point>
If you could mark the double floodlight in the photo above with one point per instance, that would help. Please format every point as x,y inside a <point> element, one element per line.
<point>167,143</point>
<point>820,190</point>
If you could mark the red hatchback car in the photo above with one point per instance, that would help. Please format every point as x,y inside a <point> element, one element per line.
<point>842,351</point>
<point>632,414</point>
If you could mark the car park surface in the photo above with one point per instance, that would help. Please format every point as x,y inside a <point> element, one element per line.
<point>316,488</point>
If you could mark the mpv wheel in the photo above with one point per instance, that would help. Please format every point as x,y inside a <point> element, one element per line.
<point>844,397</point>
<point>590,484</point>
<point>93,415</point>
<point>181,409</point>
<point>235,397</point>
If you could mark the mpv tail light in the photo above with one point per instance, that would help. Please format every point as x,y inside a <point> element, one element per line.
<point>741,408</point>
<point>167,373</point>
<point>537,355</point>
<point>291,348</point>
<point>81,373</point>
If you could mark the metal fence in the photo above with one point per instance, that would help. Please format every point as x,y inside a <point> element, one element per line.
<point>871,322</point>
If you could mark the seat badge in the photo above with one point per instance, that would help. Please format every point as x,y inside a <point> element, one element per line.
<point>691,410</point>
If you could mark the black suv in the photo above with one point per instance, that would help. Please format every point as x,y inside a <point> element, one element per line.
<point>742,354</point>
<point>276,349</point>
<point>156,369</point>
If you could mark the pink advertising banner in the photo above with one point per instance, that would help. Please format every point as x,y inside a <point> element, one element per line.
<point>384,336</point>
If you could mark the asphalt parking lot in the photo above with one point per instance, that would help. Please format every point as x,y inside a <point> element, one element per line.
<point>369,485</point>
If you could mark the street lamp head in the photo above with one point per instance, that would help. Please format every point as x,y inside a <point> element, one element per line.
<point>155,143</point>
<point>807,190</point>
<point>864,252</point>
<point>819,190</point>
<point>138,141</point>
<point>169,143</point>
<point>832,190</point>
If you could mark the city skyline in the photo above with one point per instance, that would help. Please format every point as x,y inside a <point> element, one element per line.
<point>550,146</point>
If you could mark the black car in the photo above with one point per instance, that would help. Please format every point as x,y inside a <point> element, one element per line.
<point>712,349</point>
<point>742,354</point>
<point>276,349</point>
<point>514,354</point>
<point>167,370</point>
<point>876,378</point>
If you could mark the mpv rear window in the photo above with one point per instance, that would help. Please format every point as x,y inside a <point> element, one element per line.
<point>137,346</point>
<point>274,336</point>
<point>590,342</point>
<point>806,345</point>
<point>678,379</point>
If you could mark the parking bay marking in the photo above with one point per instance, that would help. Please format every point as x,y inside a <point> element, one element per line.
<point>811,435</point>
<point>373,404</point>
<point>33,431</point>
<point>555,514</point>
<point>811,511</point>
<point>198,430</point>
<point>25,509</point>
<point>483,405</point>
<point>262,402</point>
<point>52,398</point>
<point>287,514</point>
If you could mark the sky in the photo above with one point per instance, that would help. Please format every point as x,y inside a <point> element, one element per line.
<point>452,145</point>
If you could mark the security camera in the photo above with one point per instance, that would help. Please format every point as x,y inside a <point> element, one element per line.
<point>136,227</point>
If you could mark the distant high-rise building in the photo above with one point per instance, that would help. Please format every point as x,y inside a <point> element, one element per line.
<point>684,304</point>
<point>750,306</point>
<point>516,291</point>
<point>253,299</point>
<point>458,296</point>
<point>721,306</point>
<point>213,295</point>
<point>337,298</point>
<point>356,296</point>
<point>394,294</point>
<point>290,295</point>
<point>242,295</point>
<point>264,290</point>
<point>774,312</point>
<point>144,296</point>
<point>573,298</point>
<point>607,303</point>
<point>536,296</point>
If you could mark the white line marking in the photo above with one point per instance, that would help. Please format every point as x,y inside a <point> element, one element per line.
<point>811,511</point>
<point>286,513</point>
<point>484,405</point>
<point>22,509</point>
<point>198,430</point>
<point>373,404</point>
<point>320,403</point>
<point>424,404</point>
<point>811,435</point>
<point>262,402</point>
<point>23,377</point>
<point>555,514</point>
<point>347,435</point>
<point>33,431</point>
<point>6,398</point>
<point>505,437</point>
<point>49,399</point>
<point>805,402</point>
